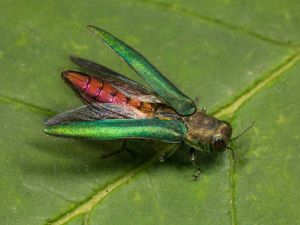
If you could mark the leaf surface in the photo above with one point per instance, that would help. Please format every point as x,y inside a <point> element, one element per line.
<point>240,59</point>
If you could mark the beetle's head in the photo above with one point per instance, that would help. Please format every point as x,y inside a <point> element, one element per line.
<point>208,133</point>
<point>221,137</point>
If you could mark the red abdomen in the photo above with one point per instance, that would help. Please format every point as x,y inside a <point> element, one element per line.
<point>93,89</point>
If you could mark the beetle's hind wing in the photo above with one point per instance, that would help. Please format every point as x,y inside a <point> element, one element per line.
<point>101,70</point>
<point>95,112</point>
<point>156,81</point>
<point>120,82</point>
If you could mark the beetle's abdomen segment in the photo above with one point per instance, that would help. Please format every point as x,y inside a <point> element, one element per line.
<point>96,90</point>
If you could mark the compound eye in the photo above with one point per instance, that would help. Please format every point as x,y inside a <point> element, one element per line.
<point>218,144</point>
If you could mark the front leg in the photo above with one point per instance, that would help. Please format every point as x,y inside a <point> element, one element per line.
<point>193,160</point>
<point>192,156</point>
<point>168,154</point>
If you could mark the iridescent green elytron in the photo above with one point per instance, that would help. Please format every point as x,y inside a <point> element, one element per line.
<point>111,129</point>
<point>120,108</point>
<point>156,81</point>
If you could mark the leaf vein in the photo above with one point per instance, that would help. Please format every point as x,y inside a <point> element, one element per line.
<point>29,106</point>
<point>232,185</point>
<point>243,30</point>
<point>232,107</point>
<point>88,205</point>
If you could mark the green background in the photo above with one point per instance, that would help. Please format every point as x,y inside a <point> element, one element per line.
<point>240,58</point>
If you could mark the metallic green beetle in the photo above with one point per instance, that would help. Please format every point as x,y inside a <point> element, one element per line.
<point>120,108</point>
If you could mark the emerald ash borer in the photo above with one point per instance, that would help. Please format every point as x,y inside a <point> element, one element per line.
<point>120,108</point>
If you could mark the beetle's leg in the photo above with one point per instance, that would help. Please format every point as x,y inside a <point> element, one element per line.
<point>107,155</point>
<point>162,157</point>
<point>122,149</point>
<point>193,160</point>
<point>165,155</point>
<point>192,156</point>
<point>197,175</point>
<point>168,154</point>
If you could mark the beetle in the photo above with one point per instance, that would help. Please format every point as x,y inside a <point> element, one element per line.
<point>120,108</point>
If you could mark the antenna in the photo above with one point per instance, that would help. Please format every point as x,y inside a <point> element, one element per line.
<point>243,132</point>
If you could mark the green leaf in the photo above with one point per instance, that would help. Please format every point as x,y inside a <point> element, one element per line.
<point>241,59</point>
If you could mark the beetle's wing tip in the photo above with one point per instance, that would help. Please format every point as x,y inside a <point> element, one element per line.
<point>90,27</point>
<point>97,31</point>
<point>48,123</point>
<point>94,29</point>
<point>47,130</point>
<point>53,130</point>
<point>73,58</point>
